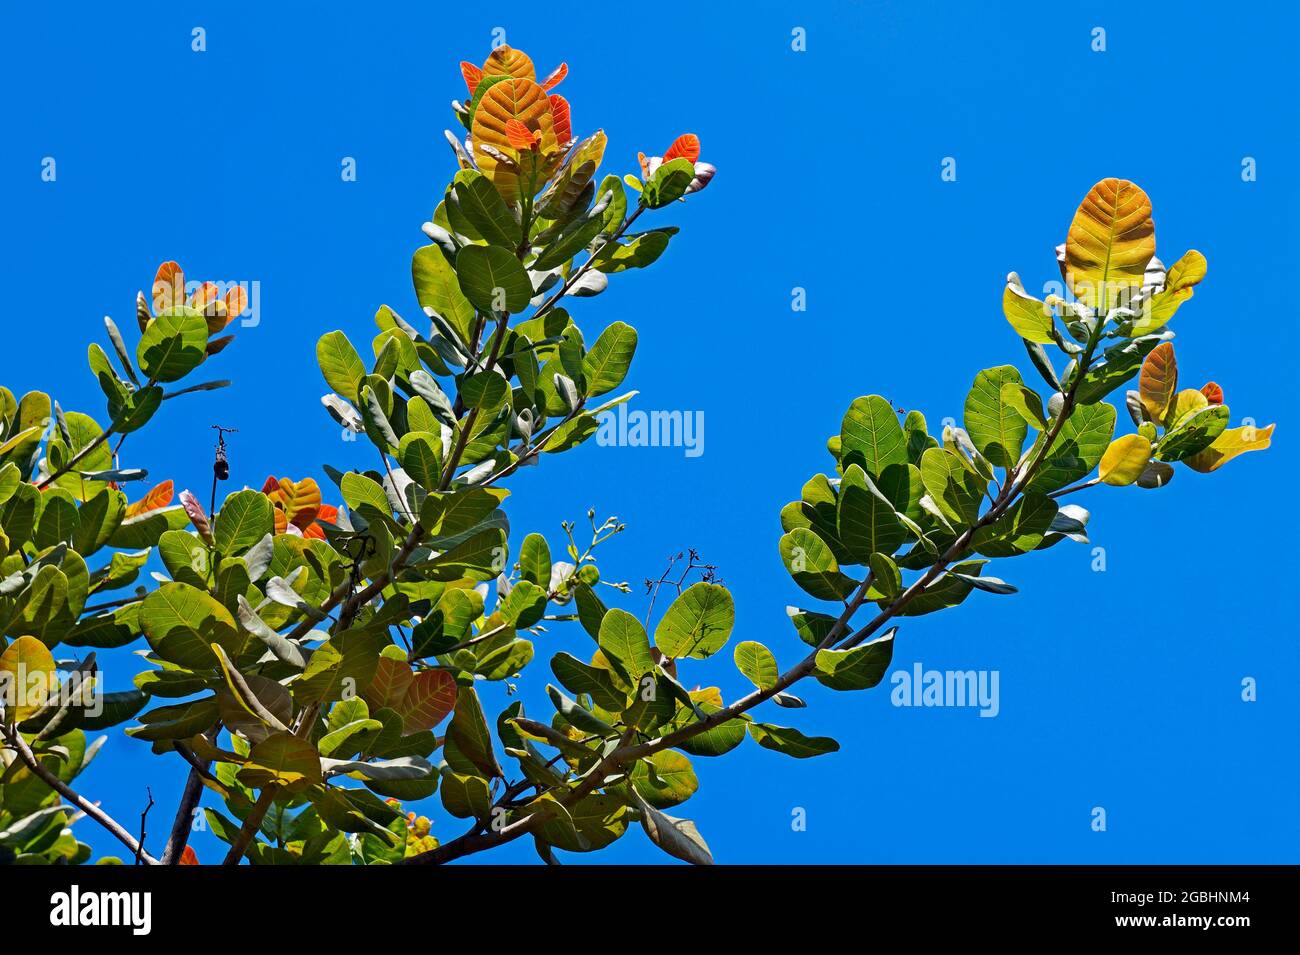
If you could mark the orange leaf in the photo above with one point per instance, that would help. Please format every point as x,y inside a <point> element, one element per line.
<point>303,502</point>
<point>271,485</point>
<point>189,856</point>
<point>392,680</point>
<point>557,76</point>
<point>560,118</point>
<point>154,499</point>
<point>1212,392</point>
<point>314,532</point>
<point>521,100</point>
<point>645,165</point>
<point>506,61</point>
<point>328,513</point>
<point>472,75</point>
<point>236,302</point>
<point>204,295</point>
<point>1158,381</point>
<point>168,286</point>
<point>520,136</point>
<point>430,697</point>
<point>684,147</point>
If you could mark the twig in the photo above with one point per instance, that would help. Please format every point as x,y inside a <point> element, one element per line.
<point>144,816</point>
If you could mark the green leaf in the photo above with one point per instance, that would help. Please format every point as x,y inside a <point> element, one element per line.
<point>573,238</point>
<point>717,740</point>
<point>952,486</point>
<point>996,428</point>
<point>281,759</point>
<point>865,519</point>
<point>420,455</point>
<point>474,200</point>
<point>173,344</point>
<point>1078,448</point>
<point>791,742</point>
<point>669,183</point>
<point>181,622</point>
<point>578,677</point>
<point>887,580</point>
<point>469,734</point>
<point>664,779</point>
<point>858,669</point>
<point>244,519</point>
<point>492,279</point>
<point>437,288</point>
<point>870,435</point>
<point>1121,363</point>
<point>625,645</point>
<point>375,419</point>
<point>135,410</point>
<point>812,565</point>
<point>340,364</point>
<point>757,663</point>
<point>606,364</point>
<point>577,715</point>
<point>1194,433</point>
<point>465,796</point>
<point>677,837</point>
<point>1020,529</point>
<point>698,623</point>
<point>642,250</point>
<point>1025,402</point>
<point>535,560</point>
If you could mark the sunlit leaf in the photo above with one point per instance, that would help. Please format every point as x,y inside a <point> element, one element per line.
<point>1111,240</point>
<point>1125,460</point>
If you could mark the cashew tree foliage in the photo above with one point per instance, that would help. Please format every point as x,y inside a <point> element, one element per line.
<point>317,667</point>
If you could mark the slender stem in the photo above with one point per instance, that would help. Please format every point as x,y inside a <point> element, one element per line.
<point>1078,487</point>
<point>144,817</point>
<point>32,762</point>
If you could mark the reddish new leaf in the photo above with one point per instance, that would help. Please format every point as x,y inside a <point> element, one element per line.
<point>520,136</point>
<point>560,119</point>
<point>684,147</point>
<point>557,76</point>
<point>472,75</point>
<point>156,498</point>
<point>429,699</point>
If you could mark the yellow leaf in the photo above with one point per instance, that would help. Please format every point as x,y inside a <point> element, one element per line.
<point>1111,240</point>
<point>526,102</point>
<point>1228,445</point>
<point>1160,308</point>
<point>1125,460</point>
<point>26,678</point>
<point>1030,318</point>
<point>1158,381</point>
<point>1185,402</point>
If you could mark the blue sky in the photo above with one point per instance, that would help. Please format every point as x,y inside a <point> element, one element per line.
<point>1119,689</point>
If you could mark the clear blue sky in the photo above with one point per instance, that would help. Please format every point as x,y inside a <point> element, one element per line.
<point>1118,689</point>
